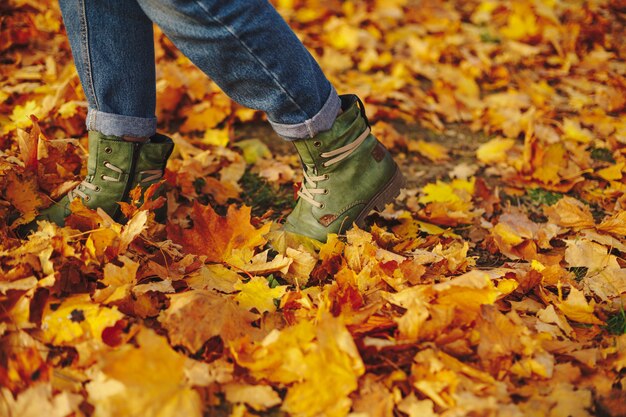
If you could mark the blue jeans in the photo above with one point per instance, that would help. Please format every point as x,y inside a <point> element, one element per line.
<point>243,45</point>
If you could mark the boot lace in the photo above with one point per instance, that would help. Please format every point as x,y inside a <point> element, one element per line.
<point>309,188</point>
<point>78,191</point>
<point>151,175</point>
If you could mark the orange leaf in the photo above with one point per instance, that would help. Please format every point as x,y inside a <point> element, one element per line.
<point>217,237</point>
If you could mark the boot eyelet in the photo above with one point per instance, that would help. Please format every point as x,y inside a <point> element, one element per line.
<point>97,189</point>
<point>322,206</point>
<point>87,198</point>
<point>102,177</point>
<point>325,191</point>
<point>108,149</point>
<point>326,177</point>
<point>317,143</point>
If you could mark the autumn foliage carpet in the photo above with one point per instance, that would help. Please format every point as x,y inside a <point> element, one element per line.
<point>496,290</point>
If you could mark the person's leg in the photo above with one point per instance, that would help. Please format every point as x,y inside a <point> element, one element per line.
<point>113,48</point>
<point>251,53</point>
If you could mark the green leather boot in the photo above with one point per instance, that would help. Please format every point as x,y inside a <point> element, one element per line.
<point>347,173</point>
<point>150,167</point>
<point>114,168</point>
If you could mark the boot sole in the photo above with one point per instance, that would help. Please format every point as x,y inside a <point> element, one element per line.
<point>385,196</point>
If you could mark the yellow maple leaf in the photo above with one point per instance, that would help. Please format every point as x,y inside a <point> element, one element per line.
<point>467,292</point>
<point>577,309</point>
<point>615,224</point>
<point>146,380</point>
<point>259,397</point>
<point>20,116</point>
<point>257,294</point>
<point>495,150</point>
<point>521,24</point>
<point>214,277</point>
<point>572,130</point>
<point>613,172</point>
<point>506,234</point>
<point>216,137</point>
<point>206,115</point>
<point>308,356</point>
<point>551,159</point>
<point>68,109</point>
<point>433,151</point>
<point>441,192</point>
<point>77,319</point>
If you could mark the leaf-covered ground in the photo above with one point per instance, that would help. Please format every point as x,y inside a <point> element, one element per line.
<point>495,285</point>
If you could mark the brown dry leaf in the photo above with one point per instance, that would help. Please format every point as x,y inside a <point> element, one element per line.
<point>374,398</point>
<point>196,316</point>
<point>218,237</point>
<point>28,143</point>
<point>22,193</point>
<point>569,212</point>
<point>119,281</point>
<point>615,224</point>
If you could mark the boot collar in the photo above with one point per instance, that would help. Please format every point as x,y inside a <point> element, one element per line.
<point>347,128</point>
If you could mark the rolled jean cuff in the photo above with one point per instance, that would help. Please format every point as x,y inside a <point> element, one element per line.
<point>119,125</point>
<point>322,121</point>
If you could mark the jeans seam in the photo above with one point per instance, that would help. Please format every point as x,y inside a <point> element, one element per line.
<point>251,52</point>
<point>85,53</point>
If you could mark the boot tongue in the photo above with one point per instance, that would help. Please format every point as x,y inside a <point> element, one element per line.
<point>306,154</point>
<point>346,129</point>
<point>95,143</point>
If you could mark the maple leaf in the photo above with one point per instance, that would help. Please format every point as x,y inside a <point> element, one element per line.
<point>259,397</point>
<point>214,277</point>
<point>218,237</point>
<point>119,281</point>
<point>433,151</point>
<point>77,319</point>
<point>146,380</point>
<point>39,400</point>
<point>495,150</point>
<point>257,294</point>
<point>196,316</point>
<point>577,309</point>
<point>569,212</point>
<point>615,224</point>
<point>22,192</point>
<point>28,143</point>
<point>307,357</point>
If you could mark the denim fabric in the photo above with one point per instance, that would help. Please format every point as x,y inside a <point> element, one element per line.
<point>243,45</point>
<point>113,48</point>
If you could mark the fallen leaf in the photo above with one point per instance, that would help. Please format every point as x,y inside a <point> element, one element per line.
<point>217,237</point>
<point>196,316</point>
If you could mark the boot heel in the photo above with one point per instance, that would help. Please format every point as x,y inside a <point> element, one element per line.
<point>391,191</point>
<point>387,195</point>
